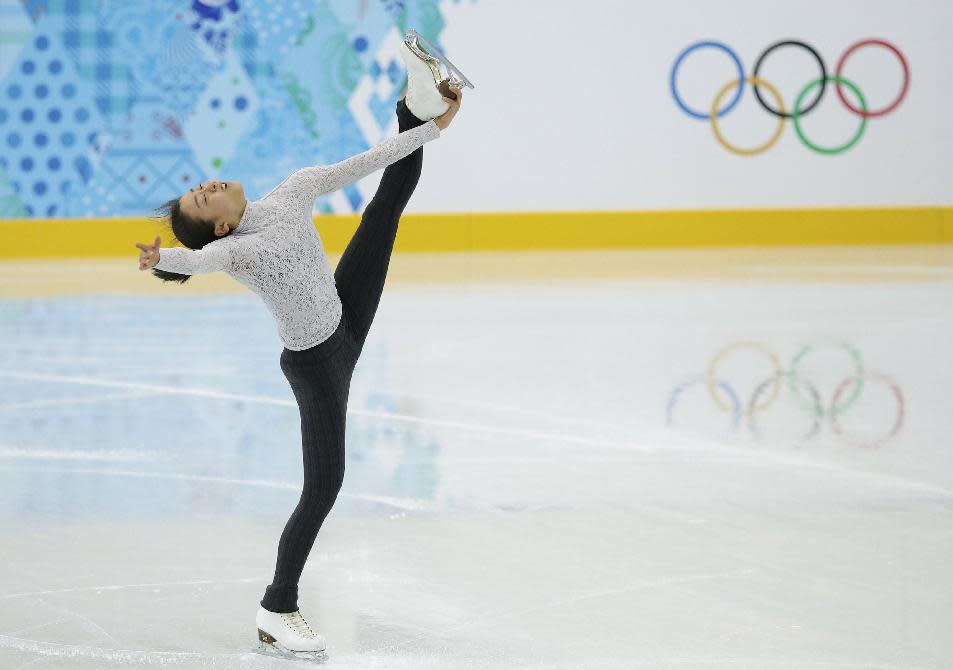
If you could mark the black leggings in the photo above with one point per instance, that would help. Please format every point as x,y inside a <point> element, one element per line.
<point>320,377</point>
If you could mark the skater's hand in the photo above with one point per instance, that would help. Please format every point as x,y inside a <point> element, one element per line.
<point>149,256</point>
<point>444,120</point>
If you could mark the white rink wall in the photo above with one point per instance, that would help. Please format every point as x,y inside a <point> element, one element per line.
<point>573,109</point>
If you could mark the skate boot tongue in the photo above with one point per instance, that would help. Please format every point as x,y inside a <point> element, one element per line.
<point>299,624</point>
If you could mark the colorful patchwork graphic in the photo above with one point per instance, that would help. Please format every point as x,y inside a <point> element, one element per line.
<point>110,107</point>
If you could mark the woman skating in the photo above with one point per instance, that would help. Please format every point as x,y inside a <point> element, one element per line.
<point>271,246</point>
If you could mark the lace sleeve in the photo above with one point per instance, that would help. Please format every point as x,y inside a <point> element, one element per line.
<point>213,257</point>
<point>309,183</point>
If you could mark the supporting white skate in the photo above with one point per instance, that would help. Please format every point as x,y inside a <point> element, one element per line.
<point>426,85</point>
<point>288,636</point>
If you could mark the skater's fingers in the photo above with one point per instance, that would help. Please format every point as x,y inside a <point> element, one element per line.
<point>148,255</point>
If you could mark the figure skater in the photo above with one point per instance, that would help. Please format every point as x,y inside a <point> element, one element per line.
<point>271,246</point>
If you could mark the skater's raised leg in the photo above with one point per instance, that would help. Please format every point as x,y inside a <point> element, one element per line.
<point>362,270</point>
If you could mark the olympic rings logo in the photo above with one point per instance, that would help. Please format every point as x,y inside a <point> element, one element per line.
<point>800,109</point>
<point>800,390</point>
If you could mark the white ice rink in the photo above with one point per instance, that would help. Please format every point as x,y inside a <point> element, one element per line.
<point>538,476</point>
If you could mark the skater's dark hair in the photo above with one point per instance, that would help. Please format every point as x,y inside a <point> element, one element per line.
<point>193,233</point>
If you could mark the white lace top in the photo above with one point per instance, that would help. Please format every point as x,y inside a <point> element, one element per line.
<point>277,252</point>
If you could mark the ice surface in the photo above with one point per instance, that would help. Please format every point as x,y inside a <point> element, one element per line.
<point>521,492</point>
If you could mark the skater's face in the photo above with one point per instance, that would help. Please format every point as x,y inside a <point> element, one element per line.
<point>218,202</point>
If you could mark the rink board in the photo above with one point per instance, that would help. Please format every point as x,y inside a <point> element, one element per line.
<point>524,231</point>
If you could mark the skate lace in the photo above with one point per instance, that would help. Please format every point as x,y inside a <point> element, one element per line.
<point>300,626</point>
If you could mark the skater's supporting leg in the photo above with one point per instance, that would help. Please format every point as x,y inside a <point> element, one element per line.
<point>361,272</point>
<point>320,378</point>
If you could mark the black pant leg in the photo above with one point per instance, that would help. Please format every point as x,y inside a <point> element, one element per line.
<point>320,378</point>
<point>362,270</point>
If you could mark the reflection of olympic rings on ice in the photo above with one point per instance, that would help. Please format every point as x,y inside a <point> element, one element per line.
<point>799,110</point>
<point>805,393</point>
<point>736,411</point>
<point>898,421</point>
<point>775,382</point>
<point>858,375</point>
<point>721,355</point>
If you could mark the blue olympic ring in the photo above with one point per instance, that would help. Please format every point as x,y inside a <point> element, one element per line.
<point>702,379</point>
<point>701,45</point>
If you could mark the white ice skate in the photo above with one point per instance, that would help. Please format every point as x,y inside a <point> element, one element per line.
<point>425,83</point>
<point>288,635</point>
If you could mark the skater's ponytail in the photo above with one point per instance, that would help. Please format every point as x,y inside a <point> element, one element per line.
<point>192,233</point>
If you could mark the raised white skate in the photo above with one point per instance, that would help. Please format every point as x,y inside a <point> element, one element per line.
<point>426,85</point>
<point>288,636</point>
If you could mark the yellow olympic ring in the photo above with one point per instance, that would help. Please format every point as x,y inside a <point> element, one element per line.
<point>754,81</point>
<point>757,346</point>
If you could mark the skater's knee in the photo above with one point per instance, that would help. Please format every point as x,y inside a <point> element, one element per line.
<point>334,484</point>
<point>325,491</point>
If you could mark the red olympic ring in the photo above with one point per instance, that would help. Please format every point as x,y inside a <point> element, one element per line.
<point>903,91</point>
<point>898,422</point>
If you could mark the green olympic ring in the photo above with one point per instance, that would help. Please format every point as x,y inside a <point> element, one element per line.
<point>808,406</point>
<point>796,116</point>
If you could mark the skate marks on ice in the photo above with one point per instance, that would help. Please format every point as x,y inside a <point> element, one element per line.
<point>117,587</point>
<point>103,658</point>
<point>123,658</point>
<point>136,658</point>
<point>403,504</point>
<point>270,648</point>
<point>213,394</point>
<point>562,602</point>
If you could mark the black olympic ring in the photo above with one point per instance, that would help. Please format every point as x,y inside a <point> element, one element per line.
<point>760,62</point>
<point>792,376</point>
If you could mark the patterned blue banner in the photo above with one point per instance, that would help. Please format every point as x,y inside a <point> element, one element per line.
<point>111,107</point>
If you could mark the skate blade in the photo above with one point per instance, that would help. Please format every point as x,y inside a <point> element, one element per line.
<point>275,650</point>
<point>458,79</point>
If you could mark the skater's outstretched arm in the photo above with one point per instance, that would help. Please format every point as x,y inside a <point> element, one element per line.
<point>202,220</point>
<point>212,257</point>
<point>309,183</point>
